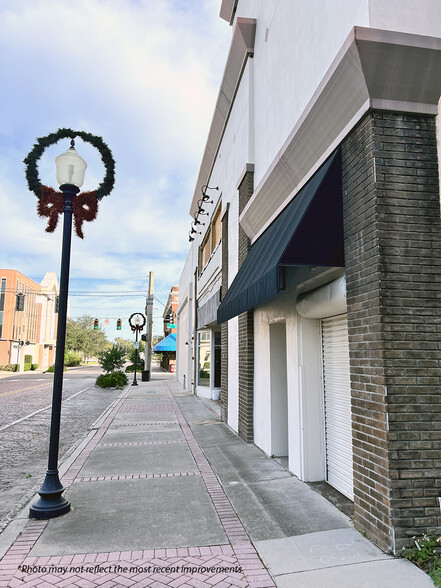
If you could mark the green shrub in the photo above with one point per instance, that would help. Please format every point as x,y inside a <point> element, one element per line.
<point>131,368</point>
<point>34,366</point>
<point>28,358</point>
<point>27,367</point>
<point>51,369</point>
<point>113,380</point>
<point>112,359</point>
<point>10,367</point>
<point>72,359</point>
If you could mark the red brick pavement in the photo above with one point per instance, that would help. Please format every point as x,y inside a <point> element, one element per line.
<point>236,565</point>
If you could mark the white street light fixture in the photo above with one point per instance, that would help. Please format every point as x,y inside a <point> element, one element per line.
<point>71,167</point>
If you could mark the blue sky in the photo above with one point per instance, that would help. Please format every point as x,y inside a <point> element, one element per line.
<point>142,74</point>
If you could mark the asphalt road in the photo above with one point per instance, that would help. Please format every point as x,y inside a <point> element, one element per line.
<point>25,411</point>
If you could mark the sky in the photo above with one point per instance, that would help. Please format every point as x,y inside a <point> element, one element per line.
<point>142,74</point>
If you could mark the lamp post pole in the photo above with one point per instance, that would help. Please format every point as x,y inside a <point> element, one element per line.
<point>19,344</point>
<point>51,502</point>
<point>136,322</point>
<point>135,383</point>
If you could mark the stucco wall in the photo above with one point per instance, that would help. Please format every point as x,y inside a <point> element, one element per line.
<point>287,74</point>
<point>407,16</point>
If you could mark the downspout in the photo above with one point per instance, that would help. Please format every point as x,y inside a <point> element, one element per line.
<point>195,349</point>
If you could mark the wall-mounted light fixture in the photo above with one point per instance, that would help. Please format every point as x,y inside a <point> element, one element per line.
<point>205,196</point>
<point>201,211</point>
<point>197,222</point>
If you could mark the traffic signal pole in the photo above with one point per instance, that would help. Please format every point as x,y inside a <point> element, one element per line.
<point>149,333</point>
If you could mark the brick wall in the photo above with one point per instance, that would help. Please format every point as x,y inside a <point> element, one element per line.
<point>246,329</point>
<point>224,326</point>
<point>393,263</point>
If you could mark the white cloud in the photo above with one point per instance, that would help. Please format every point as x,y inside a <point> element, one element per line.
<point>143,75</point>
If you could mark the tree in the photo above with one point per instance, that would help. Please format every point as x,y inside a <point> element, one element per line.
<point>132,352</point>
<point>125,344</point>
<point>81,337</point>
<point>112,359</point>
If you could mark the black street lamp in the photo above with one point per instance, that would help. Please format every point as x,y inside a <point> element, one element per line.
<point>20,344</point>
<point>137,322</point>
<point>70,176</point>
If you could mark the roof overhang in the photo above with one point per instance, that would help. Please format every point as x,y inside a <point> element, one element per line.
<point>228,10</point>
<point>377,69</point>
<point>242,47</point>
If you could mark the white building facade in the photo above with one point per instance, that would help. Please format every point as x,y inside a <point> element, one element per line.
<point>308,299</point>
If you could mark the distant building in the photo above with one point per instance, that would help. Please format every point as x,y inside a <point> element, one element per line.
<point>168,345</point>
<point>170,309</point>
<point>28,320</point>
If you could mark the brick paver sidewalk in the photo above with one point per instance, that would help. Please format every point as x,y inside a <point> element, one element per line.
<point>234,564</point>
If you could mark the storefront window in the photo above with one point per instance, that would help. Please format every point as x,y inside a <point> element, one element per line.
<point>2,303</point>
<point>204,359</point>
<point>217,359</point>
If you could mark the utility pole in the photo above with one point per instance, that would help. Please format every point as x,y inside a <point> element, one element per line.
<point>149,331</point>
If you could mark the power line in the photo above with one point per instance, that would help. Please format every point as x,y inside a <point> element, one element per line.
<point>157,300</point>
<point>76,292</point>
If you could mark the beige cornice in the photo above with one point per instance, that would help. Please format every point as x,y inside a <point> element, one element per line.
<point>242,47</point>
<point>377,69</point>
<point>228,10</point>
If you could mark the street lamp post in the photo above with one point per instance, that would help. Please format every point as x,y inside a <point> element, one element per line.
<point>137,322</point>
<point>70,176</point>
<point>20,344</point>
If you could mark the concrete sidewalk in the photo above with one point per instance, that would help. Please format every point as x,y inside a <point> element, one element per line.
<point>164,494</point>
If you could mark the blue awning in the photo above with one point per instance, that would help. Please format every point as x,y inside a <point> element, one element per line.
<point>309,231</point>
<point>167,344</point>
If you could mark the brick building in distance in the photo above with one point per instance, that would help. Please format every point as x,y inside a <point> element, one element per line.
<point>167,345</point>
<point>28,321</point>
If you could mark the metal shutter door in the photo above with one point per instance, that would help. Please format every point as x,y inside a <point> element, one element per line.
<point>337,391</point>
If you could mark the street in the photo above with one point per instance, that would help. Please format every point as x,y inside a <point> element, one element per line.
<point>25,410</point>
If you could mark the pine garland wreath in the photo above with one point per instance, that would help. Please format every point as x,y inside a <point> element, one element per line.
<point>43,143</point>
<point>51,203</point>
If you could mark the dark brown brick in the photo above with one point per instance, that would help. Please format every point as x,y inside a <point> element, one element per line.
<point>393,270</point>
<point>246,330</point>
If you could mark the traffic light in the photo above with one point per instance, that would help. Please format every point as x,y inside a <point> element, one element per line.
<point>19,302</point>
<point>96,324</point>
<point>118,324</point>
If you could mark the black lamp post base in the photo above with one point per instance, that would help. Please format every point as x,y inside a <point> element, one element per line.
<point>50,504</point>
<point>49,509</point>
<point>134,383</point>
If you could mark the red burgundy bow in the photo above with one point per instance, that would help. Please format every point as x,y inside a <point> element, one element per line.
<point>51,205</point>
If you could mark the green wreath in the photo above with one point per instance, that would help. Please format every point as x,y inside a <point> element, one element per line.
<point>41,145</point>
<point>51,202</point>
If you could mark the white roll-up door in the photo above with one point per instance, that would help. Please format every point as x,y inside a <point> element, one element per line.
<point>337,388</point>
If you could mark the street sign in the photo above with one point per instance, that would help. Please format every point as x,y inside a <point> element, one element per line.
<point>136,345</point>
<point>171,326</point>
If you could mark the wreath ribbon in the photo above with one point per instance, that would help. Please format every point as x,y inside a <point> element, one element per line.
<point>51,205</point>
